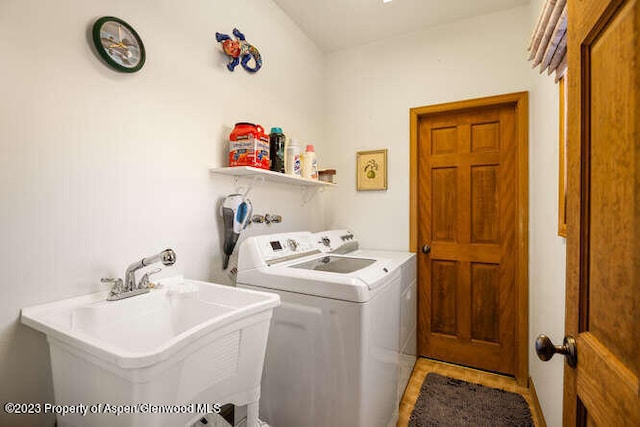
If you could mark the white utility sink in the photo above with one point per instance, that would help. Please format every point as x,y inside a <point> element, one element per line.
<point>187,343</point>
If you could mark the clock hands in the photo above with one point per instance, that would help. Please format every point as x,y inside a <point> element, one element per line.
<point>122,44</point>
<point>114,45</point>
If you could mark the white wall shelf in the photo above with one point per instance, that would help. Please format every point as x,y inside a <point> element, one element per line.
<point>248,171</point>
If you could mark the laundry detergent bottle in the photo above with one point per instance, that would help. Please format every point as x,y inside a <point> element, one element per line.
<point>292,160</point>
<point>310,163</point>
<point>277,142</point>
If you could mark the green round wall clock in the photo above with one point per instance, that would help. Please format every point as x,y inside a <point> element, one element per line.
<point>118,44</point>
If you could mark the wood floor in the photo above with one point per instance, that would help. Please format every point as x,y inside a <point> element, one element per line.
<point>425,366</point>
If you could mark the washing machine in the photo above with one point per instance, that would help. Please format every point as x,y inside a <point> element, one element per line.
<point>344,242</point>
<point>333,349</point>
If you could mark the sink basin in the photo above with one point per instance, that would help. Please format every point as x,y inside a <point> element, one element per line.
<point>187,342</point>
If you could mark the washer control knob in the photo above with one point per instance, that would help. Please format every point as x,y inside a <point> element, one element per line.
<point>293,245</point>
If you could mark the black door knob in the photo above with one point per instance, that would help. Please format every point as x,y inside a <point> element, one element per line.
<point>426,249</point>
<point>545,349</point>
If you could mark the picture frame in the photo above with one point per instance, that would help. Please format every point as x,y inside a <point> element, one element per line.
<point>371,170</point>
<point>562,155</point>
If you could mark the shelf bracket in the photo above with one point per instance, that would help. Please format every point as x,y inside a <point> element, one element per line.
<point>308,193</point>
<point>257,179</point>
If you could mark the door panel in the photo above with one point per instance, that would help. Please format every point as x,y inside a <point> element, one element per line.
<point>467,214</point>
<point>612,211</point>
<point>484,204</point>
<point>603,245</point>
<point>444,140</point>
<point>485,137</point>
<point>443,297</point>
<point>444,197</point>
<point>485,302</point>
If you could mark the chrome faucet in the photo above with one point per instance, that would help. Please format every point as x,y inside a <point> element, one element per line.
<point>168,257</point>
<point>129,288</point>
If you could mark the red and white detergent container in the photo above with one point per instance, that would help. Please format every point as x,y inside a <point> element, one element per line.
<point>248,146</point>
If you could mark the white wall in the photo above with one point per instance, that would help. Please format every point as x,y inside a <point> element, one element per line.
<point>99,168</point>
<point>547,251</point>
<point>370,90</point>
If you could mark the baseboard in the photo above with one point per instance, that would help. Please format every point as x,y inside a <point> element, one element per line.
<point>536,404</point>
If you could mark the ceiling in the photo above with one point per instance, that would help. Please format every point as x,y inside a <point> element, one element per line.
<point>337,24</point>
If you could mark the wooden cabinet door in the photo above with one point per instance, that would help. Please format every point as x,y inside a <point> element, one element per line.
<point>603,245</point>
<point>467,188</point>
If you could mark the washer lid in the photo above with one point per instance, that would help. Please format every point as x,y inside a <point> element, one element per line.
<point>335,264</point>
<point>396,257</point>
<point>358,286</point>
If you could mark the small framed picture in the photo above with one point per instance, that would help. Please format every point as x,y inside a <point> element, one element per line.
<point>371,170</point>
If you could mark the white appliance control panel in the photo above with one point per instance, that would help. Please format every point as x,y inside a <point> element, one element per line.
<point>336,241</point>
<point>284,246</point>
<point>275,248</point>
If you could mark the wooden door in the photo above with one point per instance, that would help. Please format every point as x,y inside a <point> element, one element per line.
<point>468,179</point>
<point>603,244</point>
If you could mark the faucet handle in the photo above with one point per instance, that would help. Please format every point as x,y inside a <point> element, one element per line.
<point>117,286</point>
<point>276,219</point>
<point>144,280</point>
<point>272,218</point>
